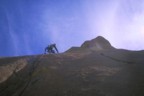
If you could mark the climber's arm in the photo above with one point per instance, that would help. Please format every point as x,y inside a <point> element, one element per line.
<point>56,48</point>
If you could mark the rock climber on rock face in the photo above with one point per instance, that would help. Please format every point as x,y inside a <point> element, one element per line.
<point>51,49</point>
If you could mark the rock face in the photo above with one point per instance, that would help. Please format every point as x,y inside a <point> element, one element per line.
<point>94,69</point>
<point>97,44</point>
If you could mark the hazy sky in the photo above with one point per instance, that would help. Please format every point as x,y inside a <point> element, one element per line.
<point>28,26</point>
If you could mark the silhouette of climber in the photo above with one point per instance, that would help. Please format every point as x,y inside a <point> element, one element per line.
<point>51,49</point>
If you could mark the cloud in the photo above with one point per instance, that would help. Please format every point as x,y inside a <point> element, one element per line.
<point>121,22</point>
<point>129,25</point>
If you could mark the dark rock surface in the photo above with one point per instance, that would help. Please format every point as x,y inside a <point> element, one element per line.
<point>94,69</point>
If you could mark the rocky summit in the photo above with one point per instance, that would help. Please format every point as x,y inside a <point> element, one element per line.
<point>95,68</point>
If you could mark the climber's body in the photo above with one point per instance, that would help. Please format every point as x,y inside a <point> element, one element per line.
<point>51,49</point>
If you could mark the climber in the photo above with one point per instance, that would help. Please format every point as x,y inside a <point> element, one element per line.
<point>51,49</point>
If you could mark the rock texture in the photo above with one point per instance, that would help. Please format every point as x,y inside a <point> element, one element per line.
<point>97,44</point>
<point>94,69</point>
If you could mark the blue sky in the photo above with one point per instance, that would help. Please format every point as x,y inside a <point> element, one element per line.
<point>28,26</point>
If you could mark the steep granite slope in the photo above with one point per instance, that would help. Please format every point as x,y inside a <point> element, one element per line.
<point>94,69</point>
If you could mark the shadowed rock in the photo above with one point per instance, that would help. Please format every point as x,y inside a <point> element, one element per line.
<point>97,44</point>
